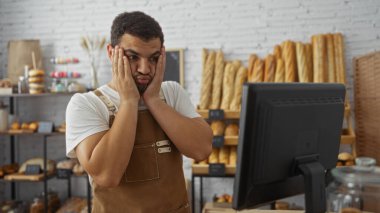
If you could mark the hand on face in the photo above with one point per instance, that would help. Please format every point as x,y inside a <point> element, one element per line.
<point>153,89</point>
<point>122,76</point>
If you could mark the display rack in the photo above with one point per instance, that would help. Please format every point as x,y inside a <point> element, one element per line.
<point>45,176</point>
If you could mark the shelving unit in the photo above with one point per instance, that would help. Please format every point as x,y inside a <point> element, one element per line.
<point>45,176</point>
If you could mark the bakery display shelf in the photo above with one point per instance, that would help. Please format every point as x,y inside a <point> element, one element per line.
<point>17,177</point>
<point>203,169</point>
<point>30,133</point>
<point>16,95</point>
<point>228,114</point>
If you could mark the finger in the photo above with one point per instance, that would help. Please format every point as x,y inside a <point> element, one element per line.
<point>127,68</point>
<point>114,60</point>
<point>120,63</point>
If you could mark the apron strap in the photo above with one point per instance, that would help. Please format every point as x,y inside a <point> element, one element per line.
<point>110,106</point>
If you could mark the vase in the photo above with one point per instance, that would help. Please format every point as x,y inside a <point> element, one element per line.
<point>94,77</point>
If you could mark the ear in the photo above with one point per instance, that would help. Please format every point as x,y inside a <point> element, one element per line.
<point>109,51</point>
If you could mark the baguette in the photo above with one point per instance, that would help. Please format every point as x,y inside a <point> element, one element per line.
<point>280,71</point>
<point>228,84</point>
<point>217,82</point>
<point>204,59</point>
<point>309,60</point>
<point>241,77</point>
<point>258,71</point>
<point>331,74</point>
<point>277,52</point>
<point>251,64</point>
<point>207,81</point>
<point>319,58</point>
<point>270,68</point>
<point>340,67</point>
<point>289,57</point>
<point>231,130</point>
<point>217,127</point>
<point>303,73</point>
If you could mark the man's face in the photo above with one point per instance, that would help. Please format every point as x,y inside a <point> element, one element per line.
<point>143,57</point>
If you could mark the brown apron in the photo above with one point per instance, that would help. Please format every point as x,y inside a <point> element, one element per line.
<point>154,179</point>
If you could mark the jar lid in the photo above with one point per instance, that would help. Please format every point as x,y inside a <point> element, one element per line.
<point>365,172</point>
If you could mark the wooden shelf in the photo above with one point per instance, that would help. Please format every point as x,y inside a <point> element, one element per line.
<point>31,178</point>
<point>348,137</point>
<point>202,169</point>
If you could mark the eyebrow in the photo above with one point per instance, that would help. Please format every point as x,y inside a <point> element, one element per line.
<point>136,53</point>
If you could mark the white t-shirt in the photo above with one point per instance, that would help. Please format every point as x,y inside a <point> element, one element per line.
<point>86,114</point>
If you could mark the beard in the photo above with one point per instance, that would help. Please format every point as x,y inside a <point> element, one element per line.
<point>141,87</point>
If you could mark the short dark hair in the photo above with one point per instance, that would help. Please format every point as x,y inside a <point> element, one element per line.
<point>136,24</point>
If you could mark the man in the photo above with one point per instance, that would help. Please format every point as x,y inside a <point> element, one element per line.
<point>129,134</point>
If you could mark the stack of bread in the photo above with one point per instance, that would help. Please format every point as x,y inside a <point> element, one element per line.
<point>225,154</point>
<point>36,81</point>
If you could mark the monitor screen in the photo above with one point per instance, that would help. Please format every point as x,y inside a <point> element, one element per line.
<point>289,137</point>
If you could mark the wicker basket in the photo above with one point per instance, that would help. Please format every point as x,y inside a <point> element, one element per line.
<point>367,105</point>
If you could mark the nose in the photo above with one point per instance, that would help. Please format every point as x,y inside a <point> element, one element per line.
<point>143,66</point>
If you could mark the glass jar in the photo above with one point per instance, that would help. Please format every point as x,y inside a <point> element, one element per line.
<point>355,188</point>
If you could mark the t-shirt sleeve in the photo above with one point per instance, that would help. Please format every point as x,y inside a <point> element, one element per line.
<point>82,120</point>
<point>179,99</point>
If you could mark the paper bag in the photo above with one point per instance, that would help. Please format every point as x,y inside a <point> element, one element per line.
<point>20,54</point>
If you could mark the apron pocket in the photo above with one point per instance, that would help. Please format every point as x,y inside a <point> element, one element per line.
<point>143,164</point>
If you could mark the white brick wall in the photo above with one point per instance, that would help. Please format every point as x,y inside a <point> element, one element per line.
<point>238,27</point>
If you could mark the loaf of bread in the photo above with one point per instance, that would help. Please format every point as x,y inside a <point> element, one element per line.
<point>224,155</point>
<point>66,164</point>
<point>38,161</point>
<point>228,84</point>
<point>217,127</point>
<point>217,82</point>
<point>214,156</point>
<point>277,52</point>
<point>340,67</point>
<point>251,64</point>
<point>270,68</point>
<point>309,60</point>
<point>231,130</point>
<point>289,57</point>
<point>319,58</point>
<point>331,74</point>
<point>78,169</point>
<point>303,72</point>
<point>233,156</point>
<point>207,78</point>
<point>258,71</point>
<point>280,71</point>
<point>204,59</point>
<point>240,78</point>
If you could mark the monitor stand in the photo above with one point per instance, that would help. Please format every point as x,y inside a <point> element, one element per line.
<point>314,179</point>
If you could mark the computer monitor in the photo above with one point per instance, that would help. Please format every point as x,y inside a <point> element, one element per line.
<point>289,138</point>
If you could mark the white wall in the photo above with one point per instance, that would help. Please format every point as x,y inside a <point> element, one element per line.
<point>238,27</point>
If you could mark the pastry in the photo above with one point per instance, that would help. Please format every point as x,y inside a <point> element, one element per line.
<point>217,127</point>
<point>66,164</point>
<point>224,155</point>
<point>270,68</point>
<point>241,77</point>
<point>78,169</point>
<point>331,74</point>
<point>232,130</point>
<point>10,168</point>
<point>217,82</point>
<point>319,58</point>
<point>207,77</point>
<point>36,72</point>
<point>280,71</point>
<point>37,79</point>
